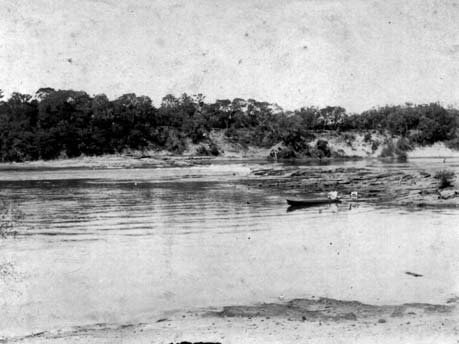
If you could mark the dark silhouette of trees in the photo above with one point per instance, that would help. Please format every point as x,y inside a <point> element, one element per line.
<point>67,123</point>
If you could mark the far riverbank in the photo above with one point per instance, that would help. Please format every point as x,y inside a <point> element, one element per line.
<point>151,159</point>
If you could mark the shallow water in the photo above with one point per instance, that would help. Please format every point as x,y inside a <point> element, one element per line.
<point>126,246</point>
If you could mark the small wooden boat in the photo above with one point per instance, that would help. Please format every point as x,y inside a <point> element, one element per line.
<point>311,202</point>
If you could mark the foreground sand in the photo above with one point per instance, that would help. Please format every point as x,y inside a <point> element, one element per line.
<point>297,321</point>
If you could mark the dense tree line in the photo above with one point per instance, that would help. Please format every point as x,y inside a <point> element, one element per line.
<point>67,123</point>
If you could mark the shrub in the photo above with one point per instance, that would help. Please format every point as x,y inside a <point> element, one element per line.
<point>401,155</point>
<point>388,150</point>
<point>340,153</point>
<point>297,140</point>
<point>401,148</point>
<point>375,145</point>
<point>282,153</point>
<point>175,142</point>
<point>349,138</point>
<point>453,144</point>
<point>211,150</point>
<point>202,150</point>
<point>403,145</point>
<point>446,178</point>
<point>367,138</point>
<point>322,146</point>
<point>214,149</point>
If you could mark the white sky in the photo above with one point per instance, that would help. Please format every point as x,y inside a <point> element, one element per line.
<point>355,53</point>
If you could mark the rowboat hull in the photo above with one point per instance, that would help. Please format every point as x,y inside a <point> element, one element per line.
<point>311,202</point>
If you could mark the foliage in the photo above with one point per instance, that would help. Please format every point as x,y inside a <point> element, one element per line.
<point>67,123</point>
<point>297,140</point>
<point>403,145</point>
<point>388,150</point>
<point>323,149</point>
<point>453,144</point>
<point>375,145</point>
<point>445,177</point>
<point>401,155</point>
<point>212,150</point>
<point>349,138</point>
<point>367,138</point>
<point>282,153</point>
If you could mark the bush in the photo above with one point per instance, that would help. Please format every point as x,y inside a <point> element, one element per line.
<point>401,148</point>
<point>388,150</point>
<point>446,178</point>
<point>367,138</point>
<point>375,145</point>
<point>322,145</point>
<point>401,155</point>
<point>349,138</point>
<point>403,145</point>
<point>453,144</point>
<point>202,150</point>
<point>339,153</point>
<point>297,140</point>
<point>282,153</point>
<point>175,142</point>
<point>214,149</point>
<point>211,150</point>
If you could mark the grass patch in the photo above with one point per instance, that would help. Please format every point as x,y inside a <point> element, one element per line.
<point>446,178</point>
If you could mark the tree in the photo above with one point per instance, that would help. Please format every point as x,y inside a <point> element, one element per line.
<point>43,92</point>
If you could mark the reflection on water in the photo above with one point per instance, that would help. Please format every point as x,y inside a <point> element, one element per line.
<point>127,245</point>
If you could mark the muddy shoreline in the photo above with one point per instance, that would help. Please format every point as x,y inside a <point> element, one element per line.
<point>316,320</point>
<point>407,188</point>
<point>109,162</point>
<point>120,161</point>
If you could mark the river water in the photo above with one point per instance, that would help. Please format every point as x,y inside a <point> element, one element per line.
<point>125,246</point>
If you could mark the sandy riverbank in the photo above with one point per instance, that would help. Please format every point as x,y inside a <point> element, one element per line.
<point>109,162</point>
<point>357,149</point>
<point>297,321</point>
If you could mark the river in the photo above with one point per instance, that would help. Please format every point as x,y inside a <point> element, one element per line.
<point>125,246</point>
